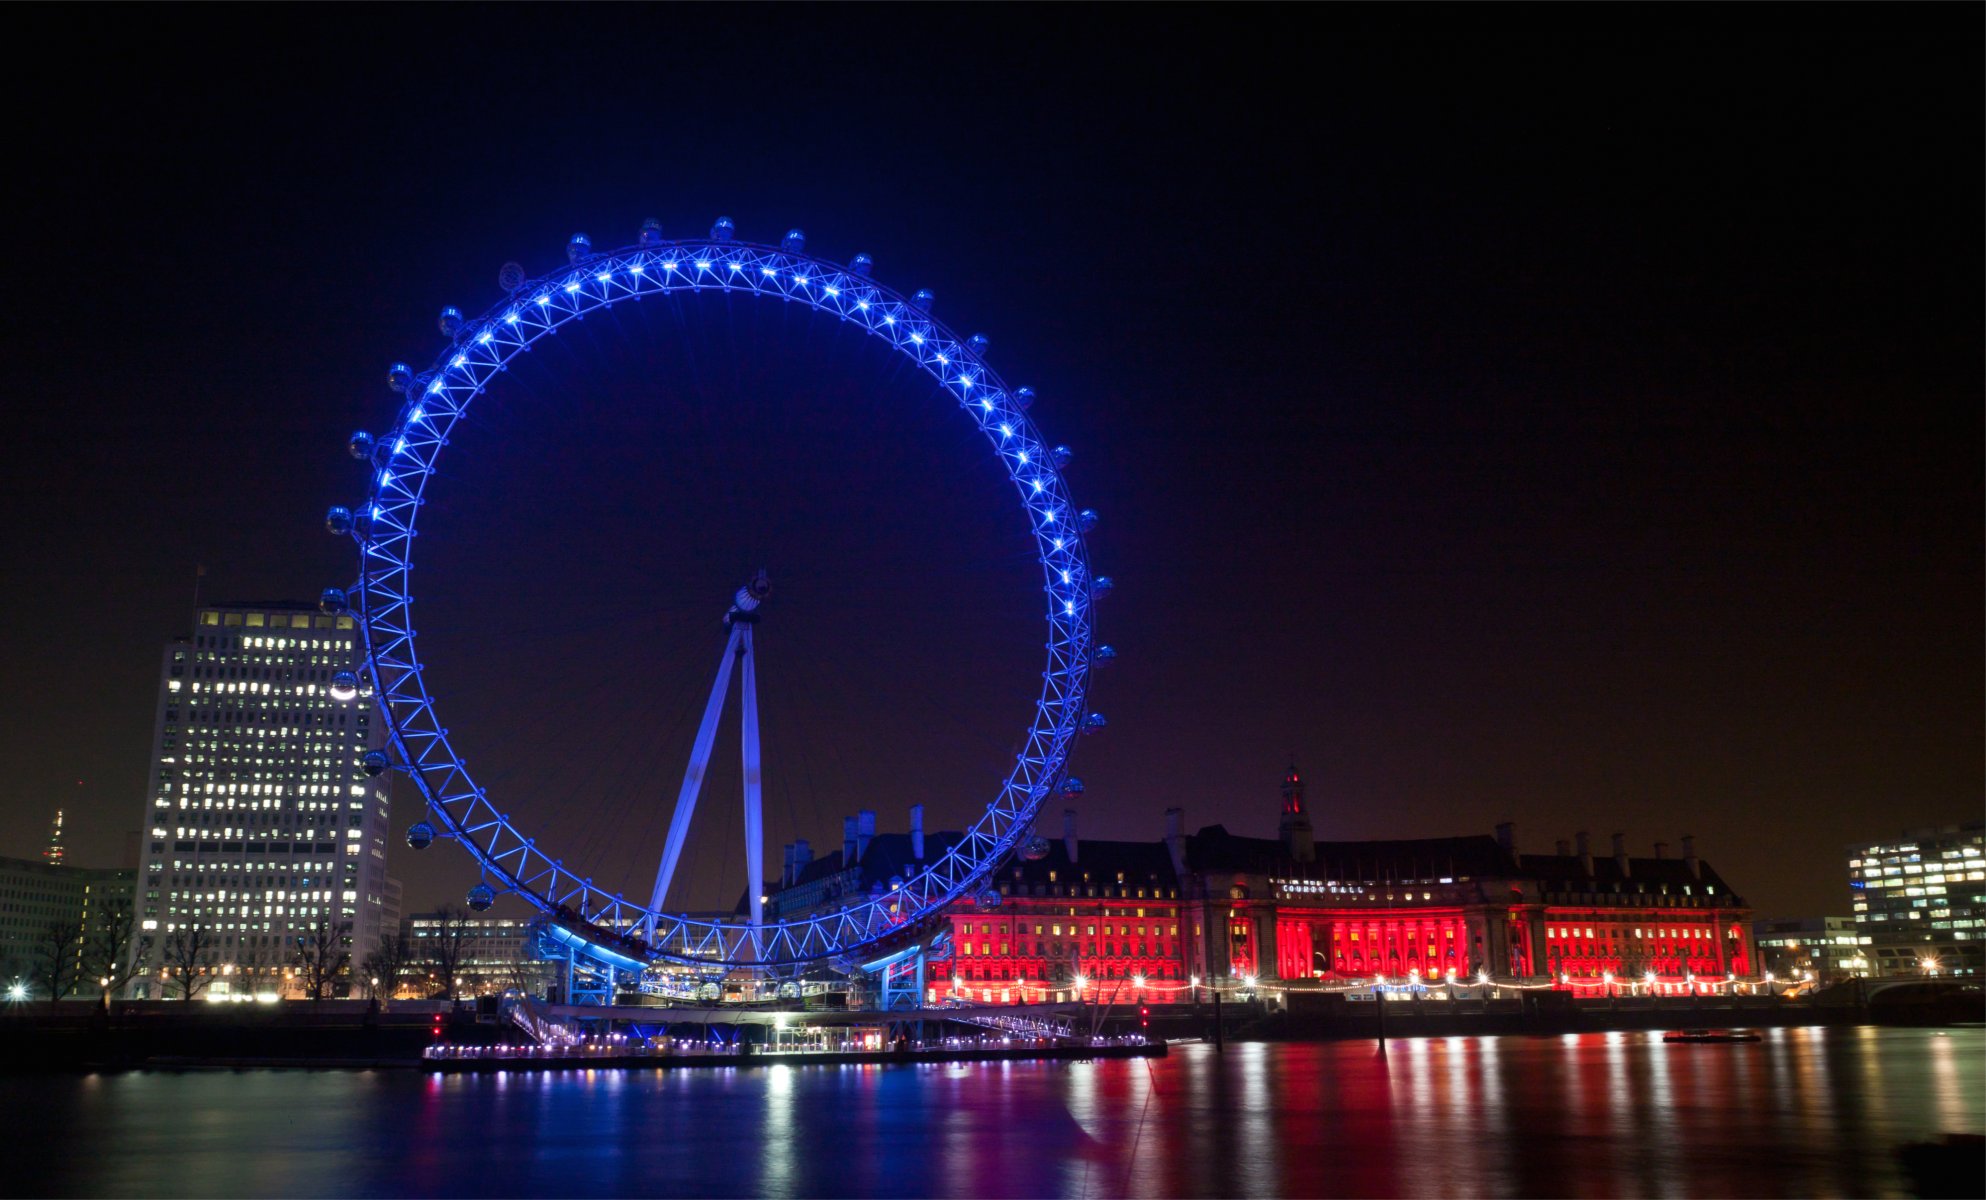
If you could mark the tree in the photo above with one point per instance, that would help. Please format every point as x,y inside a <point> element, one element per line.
<point>55,959</point>
<point>186,956</point>
<point>388,965</point>
<point>108,954</point>
<point>525,975</point>
<point>447,947</point>
<point>321,955</point>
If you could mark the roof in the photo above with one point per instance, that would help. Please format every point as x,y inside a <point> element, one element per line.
<point>1567,873</point>
<point>1214,850</point>
<point>1101,861</point>
<point>887,854</point>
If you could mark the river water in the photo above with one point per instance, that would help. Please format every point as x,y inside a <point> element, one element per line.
<point>1808,1112</point>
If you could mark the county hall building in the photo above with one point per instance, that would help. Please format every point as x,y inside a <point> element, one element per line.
<point>1162,916</point>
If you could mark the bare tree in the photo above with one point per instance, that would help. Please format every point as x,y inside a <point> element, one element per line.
<point>526,975</point>
<point>55,958</point>
<point>447,947</point>
<point>388,965</point>
<point>322,956</point>
<point>108,953</point>
<point>186,956</point>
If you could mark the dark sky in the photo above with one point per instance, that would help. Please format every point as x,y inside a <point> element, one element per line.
<point>1570,416</point>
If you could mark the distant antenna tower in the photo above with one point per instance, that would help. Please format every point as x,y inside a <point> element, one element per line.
<point>53,854</point>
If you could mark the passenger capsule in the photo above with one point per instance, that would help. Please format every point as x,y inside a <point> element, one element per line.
<point>1095,723</point>
<point>979,344</point>
<point>1061,456</point>
<point>373,763</point>
<point>481,897</point>
<point>338,519</point>
<point>579,248</point>
<point>511,276</point>
<point>399,376</point>
<point>450,321</point>
<point>1087,519</point>
<point>723,230</point>
<point>1024,398</point>
<point>990,898</point>
<point>360,445</point>
<point>861,265</point>
<point>420,835</point>
<point>332,601</point>
<point>795,242</point>
<point>1100,587</point>
<point>1035,849</point>
<point>922,300</point>
<point>344,686</point>
<point>1072,786</point>
<point>651,233</point>
<point>1105,655</point>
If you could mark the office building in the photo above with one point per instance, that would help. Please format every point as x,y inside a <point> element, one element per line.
<point>261,821</point>
<point>1820,950</point>
<point>46,909</point>
<point>489,956</point>
<point>1920,900</point>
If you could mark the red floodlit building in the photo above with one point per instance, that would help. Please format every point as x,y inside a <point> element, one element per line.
<point>1099,917</point>
<point>1153,920</point>
<point>1293,908</point>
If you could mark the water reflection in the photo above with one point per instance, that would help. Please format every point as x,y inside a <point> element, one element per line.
<point>1808,1111</point>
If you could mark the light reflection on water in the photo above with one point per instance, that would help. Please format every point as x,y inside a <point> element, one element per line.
<point>1808,1112</point>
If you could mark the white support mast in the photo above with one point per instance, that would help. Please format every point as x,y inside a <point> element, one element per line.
<point>737,653</point>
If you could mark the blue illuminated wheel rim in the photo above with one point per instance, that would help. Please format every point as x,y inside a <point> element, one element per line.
<point>604,924</point>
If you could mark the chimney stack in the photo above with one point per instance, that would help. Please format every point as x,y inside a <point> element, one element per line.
<point>786,866</point>
<point>1661,851</point>
<point>1564,848</point>
<point>1620,854</point>
<point>847,842</point>
<point>1175,840</point>
<point>865,828</point>
<point>1506,836</point>
<point>1689,856</point>
<point>1069,832</point>
<point>802,855</point>
<point>1585,852</point>
<point>917,832</point>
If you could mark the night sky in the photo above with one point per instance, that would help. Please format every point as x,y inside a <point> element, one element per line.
<point>1570,416</point>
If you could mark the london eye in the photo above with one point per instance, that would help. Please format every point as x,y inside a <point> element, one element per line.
<point>611,928</point>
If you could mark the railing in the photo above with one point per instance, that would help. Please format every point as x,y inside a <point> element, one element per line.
<point>544,1029</point>
<point>1049,1026</point>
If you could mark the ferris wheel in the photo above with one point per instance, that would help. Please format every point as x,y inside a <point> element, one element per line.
<point>609,927</point>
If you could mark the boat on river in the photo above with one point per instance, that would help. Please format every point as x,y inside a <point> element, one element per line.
<point>1710,1035</point>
